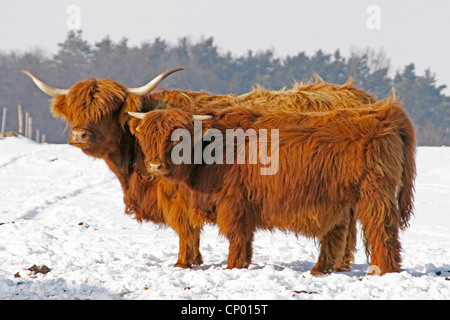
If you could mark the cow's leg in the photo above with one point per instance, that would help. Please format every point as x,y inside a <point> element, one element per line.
<point>185,251</point>
<point>189,253</point>
<point>183,255</point>
<point>184,221</point>
<point>240,250</point>
<point>343,264</point>
<point>380,222</point>
<point>196,257</point>
<point>189,235</point>
<point>332,249</point>
<point>385,246</point>
<point>237,224</point>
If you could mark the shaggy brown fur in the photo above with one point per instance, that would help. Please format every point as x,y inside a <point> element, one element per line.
<point>311,96</point>
<point>329,163</point>
<point>99,109</point>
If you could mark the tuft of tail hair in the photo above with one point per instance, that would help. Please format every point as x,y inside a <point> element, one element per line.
<point>405,196</point>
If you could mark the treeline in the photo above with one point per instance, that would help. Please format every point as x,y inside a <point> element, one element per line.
<point>209,69</point>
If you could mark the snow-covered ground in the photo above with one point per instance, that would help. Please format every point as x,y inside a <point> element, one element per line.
<point>64,210</point>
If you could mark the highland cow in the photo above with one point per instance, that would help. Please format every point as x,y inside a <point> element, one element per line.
<point>330,165</point>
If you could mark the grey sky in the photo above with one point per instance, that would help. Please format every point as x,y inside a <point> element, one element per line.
<point>410,31</point>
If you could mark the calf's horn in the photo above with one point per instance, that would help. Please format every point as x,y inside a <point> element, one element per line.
<point>51,91</point>
<point>200,117</point>
<point>149,87</point>
<point>139,115</point>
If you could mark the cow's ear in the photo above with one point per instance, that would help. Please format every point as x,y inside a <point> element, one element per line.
<point>132,103</point>
<point>59,107</point>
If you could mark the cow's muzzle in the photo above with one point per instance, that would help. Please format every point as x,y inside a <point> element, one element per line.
<point>80,137</point>
<point>157,167</point>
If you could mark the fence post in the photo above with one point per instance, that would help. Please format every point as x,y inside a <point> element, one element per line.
<point>44,138</point>
<point>4,120</point>
<point>20,115</point>
<point>27,115</point>
<point>30,128</point>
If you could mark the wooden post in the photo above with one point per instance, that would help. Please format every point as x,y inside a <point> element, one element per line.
<point>27,115</point>
<point>44,138</point>
<point>30,128</point>
<point>4,120</point>
<point>20,114</point>
<point>37,135</point>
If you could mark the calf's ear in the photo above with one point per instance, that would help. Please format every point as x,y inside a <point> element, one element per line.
<point>135,123</point>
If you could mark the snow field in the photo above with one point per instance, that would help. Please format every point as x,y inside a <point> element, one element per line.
<point>64,210</point>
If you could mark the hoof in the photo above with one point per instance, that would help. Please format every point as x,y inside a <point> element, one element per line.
<point>374,271</point>
<point>197,261</point>
<point>316,272</point>
<point>182,265</point>
<point>342,269</point>
<point>242,266</point>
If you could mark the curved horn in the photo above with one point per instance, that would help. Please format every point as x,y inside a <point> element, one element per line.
<point>200,117</point>
<point>149,87</point>
<point>140,115</point>
<point>51,91</point>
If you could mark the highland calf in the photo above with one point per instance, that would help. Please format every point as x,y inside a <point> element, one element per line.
<point>330,165</point>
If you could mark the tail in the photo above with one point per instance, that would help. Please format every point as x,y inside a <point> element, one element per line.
<point>405,128</point>
<point>405,196</point>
